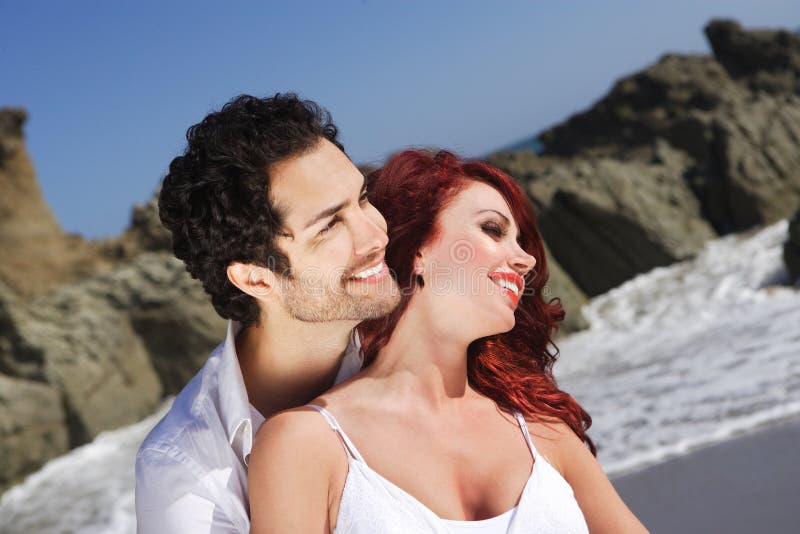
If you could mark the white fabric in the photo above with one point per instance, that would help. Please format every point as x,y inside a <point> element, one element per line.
<point>191,470</point>
<point>371,504</point>
<point>494,525</point>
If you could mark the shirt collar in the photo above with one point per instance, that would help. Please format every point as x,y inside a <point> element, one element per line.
<point>240,419</point>
<point>233,403</point>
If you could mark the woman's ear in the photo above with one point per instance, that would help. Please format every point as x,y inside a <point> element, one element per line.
<point>256,281</point>
<point>419,268</point>
<point>419,263</point>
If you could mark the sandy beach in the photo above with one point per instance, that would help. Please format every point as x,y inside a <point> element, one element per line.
<point>745,485</point>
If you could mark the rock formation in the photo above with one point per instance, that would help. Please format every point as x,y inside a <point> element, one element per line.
<point>32,427</point>
<point>93,334</point>
<point>21,200</point>
<point>765,60</point>
<point>560,285</point>
<point>606,220</point>
<point>145,234</point>
<point>37,254</point>
<point>687,148</point>
<point>167,309</point>
<point>791,249</point>
<point>736,115</point>
<point>102,352</point>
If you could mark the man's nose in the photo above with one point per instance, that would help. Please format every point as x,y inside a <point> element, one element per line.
<point>369,237</point>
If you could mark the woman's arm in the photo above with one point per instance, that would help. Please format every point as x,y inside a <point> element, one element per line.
<point>290,472</point>
<point>602,507</point>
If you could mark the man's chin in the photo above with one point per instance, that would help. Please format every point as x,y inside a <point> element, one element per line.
<point>378,311</point>
<point>356,310</point>
<point>373,307</point>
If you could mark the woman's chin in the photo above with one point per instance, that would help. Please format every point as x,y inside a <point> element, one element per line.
<point>496,326</point>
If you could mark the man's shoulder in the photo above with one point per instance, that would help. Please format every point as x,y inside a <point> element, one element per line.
<point>191,423</point>
<point>188,478</point>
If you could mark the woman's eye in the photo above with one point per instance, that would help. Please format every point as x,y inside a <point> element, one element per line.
<point>493,229</point>
<point>330,226</point>
<point>363,199</point>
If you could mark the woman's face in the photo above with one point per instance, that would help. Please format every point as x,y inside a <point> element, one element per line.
<point>473,271</point>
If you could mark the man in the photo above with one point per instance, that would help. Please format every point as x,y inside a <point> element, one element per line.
<point>267,211</point>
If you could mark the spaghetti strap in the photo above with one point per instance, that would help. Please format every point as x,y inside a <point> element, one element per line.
<point>334,424</point>
<point>524,427</point>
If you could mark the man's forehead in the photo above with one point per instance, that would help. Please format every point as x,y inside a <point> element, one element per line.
<point>309,183</point>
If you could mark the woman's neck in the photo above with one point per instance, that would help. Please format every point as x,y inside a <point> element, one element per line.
<point>422,361</point>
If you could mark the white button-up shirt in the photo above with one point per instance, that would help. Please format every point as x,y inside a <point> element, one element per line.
<point>191,470</point>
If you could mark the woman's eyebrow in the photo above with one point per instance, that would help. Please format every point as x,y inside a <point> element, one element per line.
<point>505,219</point>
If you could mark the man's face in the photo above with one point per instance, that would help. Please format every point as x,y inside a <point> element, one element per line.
<point>336,240</point>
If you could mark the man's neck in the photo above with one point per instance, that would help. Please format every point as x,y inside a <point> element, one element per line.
<point>287,363</point>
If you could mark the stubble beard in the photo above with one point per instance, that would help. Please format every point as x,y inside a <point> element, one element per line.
<point>320,303</point>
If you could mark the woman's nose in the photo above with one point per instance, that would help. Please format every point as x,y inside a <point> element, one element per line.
<point>523,262</point>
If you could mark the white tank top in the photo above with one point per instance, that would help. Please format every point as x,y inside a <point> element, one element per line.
<point>371,504</point>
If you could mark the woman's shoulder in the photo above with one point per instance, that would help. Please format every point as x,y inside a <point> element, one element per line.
<point>549,428</point>
<point>294,423</point>
<point>299,436</point>
<point>306,426</point>
<point>554,439</point>
<point>294,453</point>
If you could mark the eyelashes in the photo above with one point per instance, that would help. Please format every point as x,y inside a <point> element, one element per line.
<point>334,222</point>
<point>330,226</point>
<point>493,229</point>
<point>498,231</point>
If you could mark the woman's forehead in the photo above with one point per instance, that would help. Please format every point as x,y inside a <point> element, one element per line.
<point>477,197</point>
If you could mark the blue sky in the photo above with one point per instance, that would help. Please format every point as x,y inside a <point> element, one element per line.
<point>111,86</point>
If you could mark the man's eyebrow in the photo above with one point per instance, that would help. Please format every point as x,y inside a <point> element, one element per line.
<point>325,213</point>
<point>333,209</point>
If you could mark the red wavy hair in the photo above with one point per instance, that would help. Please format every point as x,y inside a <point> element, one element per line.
<point>515,368</point>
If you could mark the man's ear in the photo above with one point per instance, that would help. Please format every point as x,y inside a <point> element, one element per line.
<point>258,282</point>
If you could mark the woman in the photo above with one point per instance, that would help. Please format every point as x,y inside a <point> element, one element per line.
<point>455,424</point>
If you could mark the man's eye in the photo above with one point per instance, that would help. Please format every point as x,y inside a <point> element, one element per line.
<point>330,226</point>
<point>363,199</point>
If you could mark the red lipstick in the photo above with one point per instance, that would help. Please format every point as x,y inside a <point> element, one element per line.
<point>512,277</point>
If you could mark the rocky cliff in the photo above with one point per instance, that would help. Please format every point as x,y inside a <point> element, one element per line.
<point>93,334</point>
<point>37,254</point>
<point>690,147</point>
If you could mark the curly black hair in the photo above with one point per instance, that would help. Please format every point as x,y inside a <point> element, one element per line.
<point>215,197</point>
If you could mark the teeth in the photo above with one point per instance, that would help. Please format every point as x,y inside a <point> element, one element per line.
<point>370,272</point>
<point>508,285</point>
